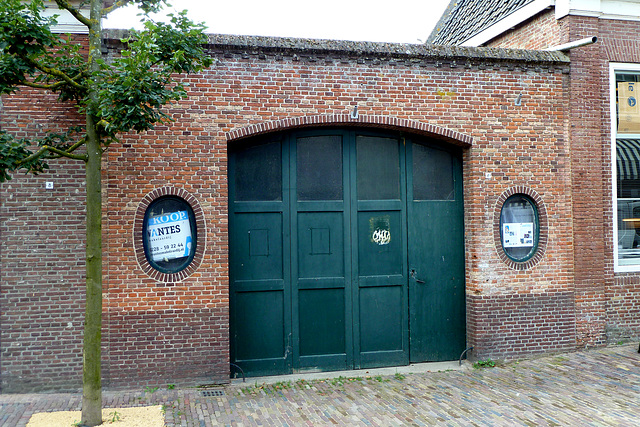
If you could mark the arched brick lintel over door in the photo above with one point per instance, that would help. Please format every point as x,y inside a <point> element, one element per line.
<point>346,120</point>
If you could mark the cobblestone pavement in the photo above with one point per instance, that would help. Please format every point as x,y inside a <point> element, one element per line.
<point>595,388</point>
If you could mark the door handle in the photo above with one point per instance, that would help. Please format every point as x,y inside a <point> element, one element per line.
<point>414,275</point>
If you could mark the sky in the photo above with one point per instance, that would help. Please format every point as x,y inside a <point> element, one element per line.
<point>393,21</point>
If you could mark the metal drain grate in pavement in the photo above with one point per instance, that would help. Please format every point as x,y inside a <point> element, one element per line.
<point>212,393</point>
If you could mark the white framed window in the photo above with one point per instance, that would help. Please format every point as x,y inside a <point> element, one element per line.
<point>625,156</point>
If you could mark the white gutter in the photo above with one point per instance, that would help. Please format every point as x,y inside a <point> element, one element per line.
<point>576,43</point>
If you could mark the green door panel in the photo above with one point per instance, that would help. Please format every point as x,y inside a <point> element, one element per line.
<point>261,322</point>
<point>320,306</point>
<point>260,335</point>
<point>382,289</point>
<point>346,251</point>
<point>378,164</point>
<point>436,259</point>
<point>257,246</point>
<point>380,244</point>
<point>382,327</point>
<point>320,245</point>
<point>381,318</point>
<point>259,260</point>
<point>322,321</point>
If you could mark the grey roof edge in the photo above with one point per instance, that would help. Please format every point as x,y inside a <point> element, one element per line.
<point>375,49</point>
<point>443,19</point>
<point>319,46</point>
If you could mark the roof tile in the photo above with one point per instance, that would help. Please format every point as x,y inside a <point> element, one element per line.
<point>464,19</point>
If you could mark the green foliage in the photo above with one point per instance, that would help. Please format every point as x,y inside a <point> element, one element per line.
<point>151,390</point>
<point>133,87</point>
<point>150,6</point>
<point>24,36</point>
<point>127,92</point>
<point>122,94</point>
<point>24,154</point>
<point>114,416</point>
<point>484,364</point>
<point>12,152</point>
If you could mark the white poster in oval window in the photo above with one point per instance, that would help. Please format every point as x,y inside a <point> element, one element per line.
<point>517,235</point>
<point>169,236</point>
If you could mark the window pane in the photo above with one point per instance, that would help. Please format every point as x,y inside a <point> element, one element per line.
<point>628,168</point>
<point>628,231</point>
<point>319,168</point>
<point>169,234</point>
<point>378,168</point>
<point>432,174</point>
<point>627,87</point>
<point>259,173</point>
<point>519,228</point>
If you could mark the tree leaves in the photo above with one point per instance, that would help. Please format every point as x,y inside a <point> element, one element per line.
<point>32,155</point>
<point>13,154</point>
<point>24,35</point>
<point>132,88</point>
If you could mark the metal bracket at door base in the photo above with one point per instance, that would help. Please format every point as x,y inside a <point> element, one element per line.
<point>463,353</point>
<point>240,369</point>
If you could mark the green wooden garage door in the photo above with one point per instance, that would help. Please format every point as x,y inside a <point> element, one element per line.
<point>346,251</point>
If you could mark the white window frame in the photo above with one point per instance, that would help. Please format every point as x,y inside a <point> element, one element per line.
<point>615,68</point>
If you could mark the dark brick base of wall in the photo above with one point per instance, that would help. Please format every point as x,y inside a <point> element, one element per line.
<point>623,309</point>
<point>508,326</point>
<point>159,347</point>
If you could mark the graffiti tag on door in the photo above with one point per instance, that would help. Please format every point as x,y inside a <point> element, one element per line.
<point>380,230</point>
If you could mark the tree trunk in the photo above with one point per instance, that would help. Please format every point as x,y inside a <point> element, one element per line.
<point>91,372</point>
<point>91,352</point>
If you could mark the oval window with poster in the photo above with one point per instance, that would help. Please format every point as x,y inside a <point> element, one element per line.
<point>169,234</point>
<point>519,227</point>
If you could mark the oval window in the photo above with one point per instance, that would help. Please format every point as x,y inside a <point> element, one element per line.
<point>169,234</point>
<point>519,228</point>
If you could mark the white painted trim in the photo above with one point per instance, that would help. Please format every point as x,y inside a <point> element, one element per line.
<point>509,22</point>
<point>577,7</point>
<point>603,9</point>
<point>615,67</point>
<point>66,22</point>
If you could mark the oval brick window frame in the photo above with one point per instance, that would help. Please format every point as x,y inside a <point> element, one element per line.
<point>542,224</point>
<point>138,226</point>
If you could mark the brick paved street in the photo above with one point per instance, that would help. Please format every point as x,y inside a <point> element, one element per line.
<point>598,387</point>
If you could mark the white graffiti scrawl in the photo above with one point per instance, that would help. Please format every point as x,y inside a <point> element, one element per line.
<point>381,237</point>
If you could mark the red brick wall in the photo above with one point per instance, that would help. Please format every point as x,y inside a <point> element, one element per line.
<point>623,306</point>
<point>515,145</point>
<point>590,163</point>
<point>169,329</point>
<point>606,304</point>
<point>620,42</point>
<point>539,32</point>
<point>41,259</point>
